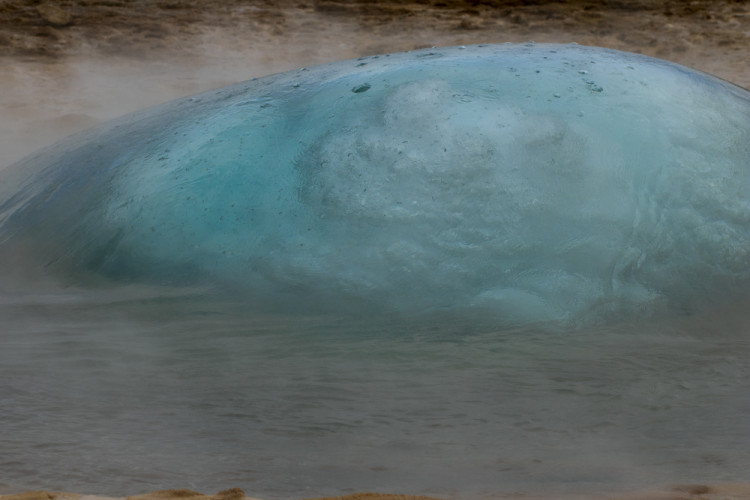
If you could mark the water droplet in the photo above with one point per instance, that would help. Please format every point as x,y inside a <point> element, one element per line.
<point>583,72</point>
<point>580,113</point>
<point>592,86</point>
<point>556,95</point>
<point>361,88</point>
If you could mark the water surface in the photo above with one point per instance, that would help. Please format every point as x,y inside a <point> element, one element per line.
<point>118,396</point>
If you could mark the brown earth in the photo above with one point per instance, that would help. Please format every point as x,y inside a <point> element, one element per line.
<point>728,491</point>
<point>701,33</point>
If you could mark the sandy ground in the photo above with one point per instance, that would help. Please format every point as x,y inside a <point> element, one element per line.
<point>71,64</point>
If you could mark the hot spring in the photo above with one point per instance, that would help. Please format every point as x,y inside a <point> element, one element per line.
<point>457,271</point>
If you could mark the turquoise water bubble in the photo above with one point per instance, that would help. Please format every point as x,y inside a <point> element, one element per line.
<point>525,183</point>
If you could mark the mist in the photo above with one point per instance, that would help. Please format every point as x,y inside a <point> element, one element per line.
<point>42,103</point>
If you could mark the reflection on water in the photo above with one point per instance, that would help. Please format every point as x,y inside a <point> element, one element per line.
<point>120,397</point>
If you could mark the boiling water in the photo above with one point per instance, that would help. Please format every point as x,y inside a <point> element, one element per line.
<point>485,210</point>
<point>116,396</point>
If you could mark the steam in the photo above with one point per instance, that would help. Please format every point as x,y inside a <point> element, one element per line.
<point>44,101</point>
<point>41,102</point>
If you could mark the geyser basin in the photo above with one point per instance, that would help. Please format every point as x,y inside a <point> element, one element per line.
<point>533,183</point>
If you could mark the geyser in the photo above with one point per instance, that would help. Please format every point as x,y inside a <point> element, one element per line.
<point>530,182</point>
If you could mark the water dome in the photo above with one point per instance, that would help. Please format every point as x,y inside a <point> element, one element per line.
<point>530,183</point>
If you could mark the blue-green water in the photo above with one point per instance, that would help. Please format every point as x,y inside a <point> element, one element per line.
<point>118,396</point>
<point>528,182</point>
